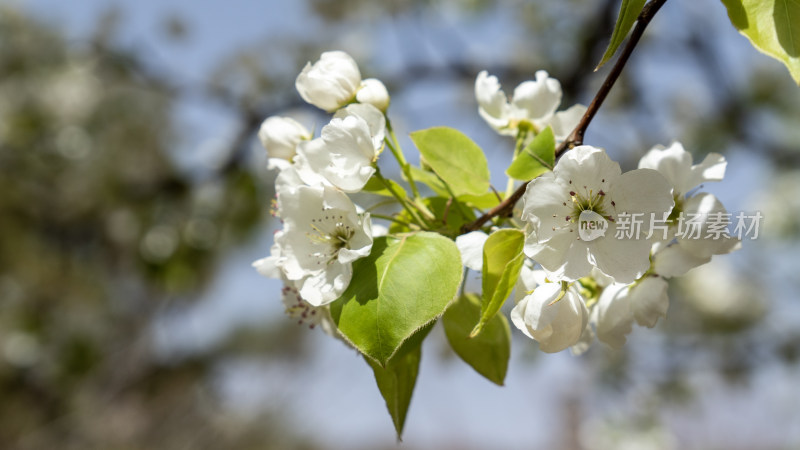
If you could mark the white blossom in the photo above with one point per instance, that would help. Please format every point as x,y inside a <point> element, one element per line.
<point>344,154</point>
<point>373,92</point>
<point>322,236</point>
<point>675,163</point>
<point>331,82</point>
<point>554,318</point>
<point>533,102</point>
<point>586,182</point>
<point>280,136</point>
<point>693,217</point>
<point>620,305</point>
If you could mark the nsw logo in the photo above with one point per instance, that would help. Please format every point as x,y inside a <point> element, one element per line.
<point>591,225</point>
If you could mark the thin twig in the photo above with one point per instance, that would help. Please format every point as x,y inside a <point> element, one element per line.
<point>506,207</point>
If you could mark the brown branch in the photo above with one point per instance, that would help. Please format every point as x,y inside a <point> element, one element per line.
<point>506,207</point>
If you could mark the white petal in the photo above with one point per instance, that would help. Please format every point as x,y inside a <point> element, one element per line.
<point>325,287</point>
<point>267,267</point>
<point>587,166</point>
<point>710,209</point>
<point>563,122</point>
<point>373,92</point>
<point>613,316</point>
<point>623,259</point>
<point>492,101</point>
<point>711,169</point>
<point>548,204</point>
<point>360,244</point>
<point>303,168</point>
<point>649,300</point>
<point>673,162</point>
<point>471,247</point>
<point>642,191</point>
<point>376,121</point>
<point>551,254</point>
<point>537,100</point>
<point>674,261</point>
<point>280,136</point>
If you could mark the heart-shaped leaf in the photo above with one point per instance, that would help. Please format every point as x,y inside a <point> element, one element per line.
<point>404,284</point>
<point>487,352</point>
<point>457,160</point>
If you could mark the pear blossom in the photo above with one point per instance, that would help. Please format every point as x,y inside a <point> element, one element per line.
<point>620,305</point>
<point>345,153</point>
<point>693,247</point>
<point>587,186</point>
<point>322,235</point>
<point>533,102</point>
<point>331,82</point>
<point>373,92</point>
<point>553,316</point>
<point>280,136</point>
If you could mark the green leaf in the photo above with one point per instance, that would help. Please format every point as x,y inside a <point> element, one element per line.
<point>535,159</point>
<point>457,160</point>
<point>485,201</point>
<point>502,261</point>
<point>396,382</point>
<point>628,13</point>
<point>488,352</point>
<point>376,186</point>
<point>773,27</point>
<point>403,285</point>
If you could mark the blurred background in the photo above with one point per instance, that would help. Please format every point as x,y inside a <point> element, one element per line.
<point>134,197</point>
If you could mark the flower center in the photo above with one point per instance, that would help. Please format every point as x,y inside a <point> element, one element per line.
<point>332,234</point>
<point>588,200</point>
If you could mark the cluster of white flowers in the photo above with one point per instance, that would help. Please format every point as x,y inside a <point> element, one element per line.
<point>602,285</point>
<point>588,274</point>
<point>598,284</point>
<point>323,231</point>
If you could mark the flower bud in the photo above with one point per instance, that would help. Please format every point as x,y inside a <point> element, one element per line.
<point>554,318</point>
<point>331,82</point>
<point>280,136</point>
<point>373,92</point>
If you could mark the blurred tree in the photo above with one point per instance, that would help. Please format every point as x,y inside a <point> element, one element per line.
<point>98,232</point>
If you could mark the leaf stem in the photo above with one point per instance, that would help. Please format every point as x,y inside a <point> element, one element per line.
<point>411,212</point>
<point>506,207</point>
<point>397,151</point>
<point>521,135</point>
<point>391,219</point>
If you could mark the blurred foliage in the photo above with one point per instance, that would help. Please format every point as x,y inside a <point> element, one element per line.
<point>99,231</point>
